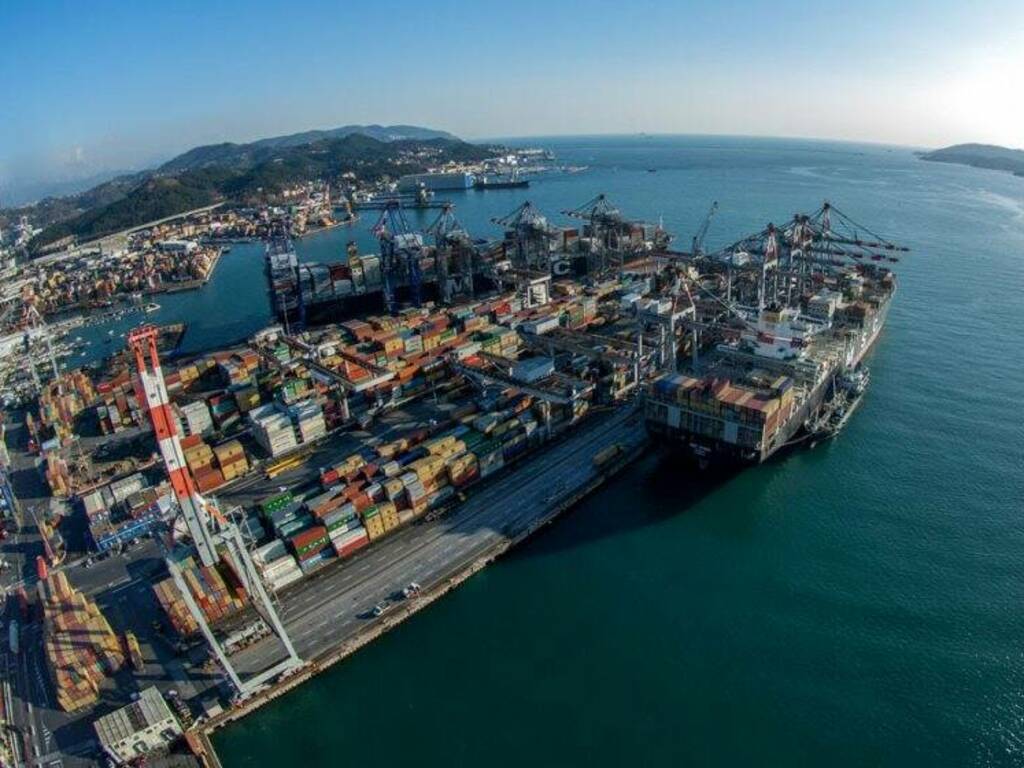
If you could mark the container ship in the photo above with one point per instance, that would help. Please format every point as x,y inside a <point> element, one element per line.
<point>499,181</point>
<point>772,331</point>
<point>436,181</point>
<point>445,263</point>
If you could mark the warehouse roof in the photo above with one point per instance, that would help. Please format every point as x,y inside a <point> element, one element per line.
<point>148,710</point>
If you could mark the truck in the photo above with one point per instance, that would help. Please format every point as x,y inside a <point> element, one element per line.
<point>606,455</point>
<point>288,462</point>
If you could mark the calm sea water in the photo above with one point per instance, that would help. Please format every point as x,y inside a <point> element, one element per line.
<point>858,604</point>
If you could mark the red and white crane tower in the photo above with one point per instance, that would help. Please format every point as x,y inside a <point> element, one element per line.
<point>152,391</point>
<point>216,538</point>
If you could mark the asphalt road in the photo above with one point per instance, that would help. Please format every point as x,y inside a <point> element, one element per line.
<point>325,610</point>
<point>37,724</point>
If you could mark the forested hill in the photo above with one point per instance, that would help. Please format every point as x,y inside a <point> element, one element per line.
<point>244,173</point>
<point>248,154</point>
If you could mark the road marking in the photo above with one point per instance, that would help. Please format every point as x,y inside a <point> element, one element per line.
<point>116,586</point>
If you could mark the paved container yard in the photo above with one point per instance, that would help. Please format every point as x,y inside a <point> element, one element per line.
<point>323,611</point>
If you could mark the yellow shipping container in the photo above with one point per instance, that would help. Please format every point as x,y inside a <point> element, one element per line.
<point>374,527</point>
<point>390,520</point>
<point>228,452</point>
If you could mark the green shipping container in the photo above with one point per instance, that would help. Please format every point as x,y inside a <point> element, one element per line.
<point>276,502</point>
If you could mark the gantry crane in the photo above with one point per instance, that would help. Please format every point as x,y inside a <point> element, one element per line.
<point>216,538</point>
<point>697,249</point>
<point>454,255</point>
<point>788,256</point>
<point>531,235</point>
<point>400,253</point>
<point>604,225</point>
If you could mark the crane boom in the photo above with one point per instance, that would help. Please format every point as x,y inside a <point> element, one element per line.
<point>698,239</point>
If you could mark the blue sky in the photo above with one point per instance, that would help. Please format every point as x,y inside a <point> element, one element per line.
<point>93,86</point>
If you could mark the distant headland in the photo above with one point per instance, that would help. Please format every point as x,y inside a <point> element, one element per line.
<point>980,156</point>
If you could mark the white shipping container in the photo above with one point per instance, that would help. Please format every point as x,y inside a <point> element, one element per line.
<point>268,553</point>
<point>540,326</point>
<point>349,536</point>
<point>280,582</point>
<point>280,566</point>
<point>338,533</point>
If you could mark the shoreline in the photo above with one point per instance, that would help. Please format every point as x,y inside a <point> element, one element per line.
<point>188,285</point>
<point>121,302</point>
<point>328,228</point>
<point>200,740</point>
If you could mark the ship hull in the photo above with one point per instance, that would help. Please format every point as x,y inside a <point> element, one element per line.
<point>707,453</point>
<point>719,453</point>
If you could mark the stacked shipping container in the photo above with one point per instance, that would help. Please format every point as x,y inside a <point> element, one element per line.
<point>81,648</point>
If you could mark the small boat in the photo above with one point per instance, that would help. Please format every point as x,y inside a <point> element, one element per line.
<point>151,307</point>
<point>652,170</point>
<point>110,332</point>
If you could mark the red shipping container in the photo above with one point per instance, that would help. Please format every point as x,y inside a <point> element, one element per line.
<point>467,476</point>
<point>353,546</point>
<point>209,479</point>
<point>304,538</point>
<point>328,506</point>
<point>362,502</point>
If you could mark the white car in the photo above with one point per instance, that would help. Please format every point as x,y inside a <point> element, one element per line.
<point>412,590</point>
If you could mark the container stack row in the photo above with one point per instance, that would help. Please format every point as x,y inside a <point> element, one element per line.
<point>81,648</point>
<point>214,589</point>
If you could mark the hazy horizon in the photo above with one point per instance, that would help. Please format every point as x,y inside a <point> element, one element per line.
<point>32,192</point>
<point>93,90</point>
